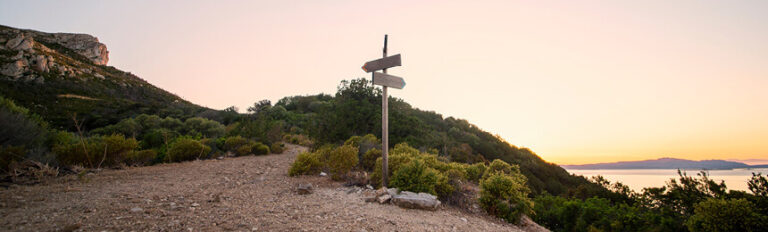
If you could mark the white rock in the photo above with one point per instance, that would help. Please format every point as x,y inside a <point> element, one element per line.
<point>416,201</point>
<point>323,174</point>
<point>14,69</point>
<point>136,209</point>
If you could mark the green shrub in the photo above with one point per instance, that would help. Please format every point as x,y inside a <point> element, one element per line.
<point>416,177</point>
<point>505,197</point>
<point>324,152</point>
<point>207,128</point>
<point>500,167</point>
<point>277,147</point>
<point>140,158</point>
<point>307,163</point>
<point>395,162</point>
<point>99,151</point>
<point>235,142</point>
<point>186,149</point>
<point>341,161</point>
<point>726,215</point>
<point>260,149</point>
<point>244,150</point>
<point>369,159</point>
<point>475,172</point>
<point>364,143</point>
<point>404,148</point>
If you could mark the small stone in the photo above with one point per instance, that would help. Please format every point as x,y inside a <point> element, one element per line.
<point>369,196</point>
<point>381,191</point>
<point>195,204</point>
<point>384,198</point>
<point>303,189</point>
<point>464,219</point>
<point>369,186</point>
<point>136,209</point>
<point>323,174</point>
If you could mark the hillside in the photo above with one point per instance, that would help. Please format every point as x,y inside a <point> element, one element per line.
<point>61,75</point>
<point>355,109</point>
<point>58,75</point>
<point>664,163</point>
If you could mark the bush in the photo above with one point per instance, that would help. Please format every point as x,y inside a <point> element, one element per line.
<point>369,159</point>
<point>404,148</point>
<point>186,149</point>
<point>205,127</point>
<point>415,177</point>
<point>726,215</point>
<point>244,150</point>
<point>341,161</point>
<point>505,196</point>
<point>395,162</point>
<point>234,142</point>
<point>140,158</point>
<point>99,151</point>
<point>364,143</point>
<point>324,152</point>
<point>499,167</point>
<point>277,147</point>
<point>475,172</point>
<point>307,163</point>
<point>260,149</point>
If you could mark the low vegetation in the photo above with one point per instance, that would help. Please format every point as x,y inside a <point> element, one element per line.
<point>685,204</point>
<point>503,189</point>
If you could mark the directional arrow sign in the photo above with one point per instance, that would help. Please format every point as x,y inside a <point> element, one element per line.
<point>383,63</point>
<point>388,80</point>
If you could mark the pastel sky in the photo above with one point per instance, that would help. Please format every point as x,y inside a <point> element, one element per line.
<point>575,81</point>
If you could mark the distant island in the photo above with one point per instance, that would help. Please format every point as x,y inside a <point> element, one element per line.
<point>667,163</point>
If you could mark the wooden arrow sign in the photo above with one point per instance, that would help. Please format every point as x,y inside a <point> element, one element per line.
<point>383,63</point>
<point>388,80</point>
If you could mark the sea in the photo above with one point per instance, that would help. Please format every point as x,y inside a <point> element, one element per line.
<point>637,179</point>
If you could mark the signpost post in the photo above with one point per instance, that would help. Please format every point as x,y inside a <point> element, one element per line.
<point>385,81</point>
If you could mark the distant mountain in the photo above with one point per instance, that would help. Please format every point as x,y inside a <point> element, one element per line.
<point>751,161</point>
<point>666,163</point>
<point>58,75</point>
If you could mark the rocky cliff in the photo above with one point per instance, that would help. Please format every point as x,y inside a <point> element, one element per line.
<point>27,50</point>
<point>59,75</point>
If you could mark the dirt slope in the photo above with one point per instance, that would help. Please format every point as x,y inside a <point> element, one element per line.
<point>250,193</point>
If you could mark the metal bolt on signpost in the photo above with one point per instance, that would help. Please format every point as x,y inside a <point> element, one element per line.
<point>385,81</point>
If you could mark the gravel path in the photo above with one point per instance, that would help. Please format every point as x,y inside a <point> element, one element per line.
<point>250,193</point>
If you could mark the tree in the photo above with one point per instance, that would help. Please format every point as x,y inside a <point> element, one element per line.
<point>758,185</point>
<point>725,215</point>
<point>260,106</point>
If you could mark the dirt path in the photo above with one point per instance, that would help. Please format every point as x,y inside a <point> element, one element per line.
<point>250,193</point>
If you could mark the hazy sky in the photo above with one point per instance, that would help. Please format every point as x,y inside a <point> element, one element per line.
<point>575,81</point>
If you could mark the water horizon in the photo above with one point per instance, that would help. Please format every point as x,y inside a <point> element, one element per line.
<point>637,179</point>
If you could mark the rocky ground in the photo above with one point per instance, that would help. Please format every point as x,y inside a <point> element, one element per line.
<point>251,193</point>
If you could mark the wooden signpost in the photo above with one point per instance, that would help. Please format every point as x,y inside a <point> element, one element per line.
<point>381,78</point>
<point>387,80</point>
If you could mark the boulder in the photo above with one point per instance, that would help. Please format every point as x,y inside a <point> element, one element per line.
<point>412,200</point>
<point>12,43</point>
<point>14,69</point>
<point>303,189</point>
<point>392,191</point>
<point>41,63</point>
